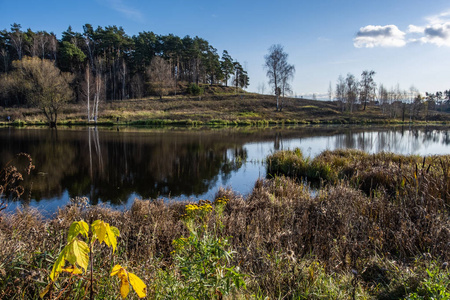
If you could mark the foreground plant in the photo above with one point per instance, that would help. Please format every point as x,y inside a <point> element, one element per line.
<point>11,178</point>
<point>76,254</point>
<point>201,261</point>
<point>435,286</point>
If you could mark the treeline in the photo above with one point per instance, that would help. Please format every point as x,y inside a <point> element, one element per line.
<point>108,63</point>
<point>352,93</point>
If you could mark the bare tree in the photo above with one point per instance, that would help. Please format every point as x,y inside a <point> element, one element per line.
<point>42,39</point>
<point>341,92</point>
<point>160,75</point>
<point>368,87</point>
<point>351,91</point>
<point>261,88</point>
<point>45,85</point>
<point>87,89</point>
<point>286,75</point>
<point>16,37</point>
<point>330,92</point>
<point>278,70</point>
<point>99,92</point>
<point>413,91</point>
<point>383,98</point>
<point>53,46</point>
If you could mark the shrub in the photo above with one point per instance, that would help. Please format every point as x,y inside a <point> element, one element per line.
<point>195,90</point>
<point>202,260</point>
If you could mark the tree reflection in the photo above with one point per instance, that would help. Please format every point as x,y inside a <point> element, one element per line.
<point>111,166</point>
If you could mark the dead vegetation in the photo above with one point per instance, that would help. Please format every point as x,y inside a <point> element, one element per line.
<point>371,228</point>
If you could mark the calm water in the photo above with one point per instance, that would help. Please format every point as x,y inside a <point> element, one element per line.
<point>118,165</point>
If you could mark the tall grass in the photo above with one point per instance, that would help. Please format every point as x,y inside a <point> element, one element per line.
<point>348,239</point>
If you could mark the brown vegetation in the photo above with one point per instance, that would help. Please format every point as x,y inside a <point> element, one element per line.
<point>289,239</point>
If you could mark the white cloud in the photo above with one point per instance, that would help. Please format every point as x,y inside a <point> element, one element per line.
<point>436,31</point>
<point>437,34</point>
<point>438,19</point>
<point>379,36</point>
<point>415,29</point>
<point>126,10</point>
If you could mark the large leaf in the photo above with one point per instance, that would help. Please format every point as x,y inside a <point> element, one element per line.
<point>78,252</point>
<point>116,270</point>
<point>59,263</point>
<point>115,231</point>
<point>105,233</point>
<point>138,285</point>
<point>124,287</point>
<point>123,276</point>
<point>126,278</point>
<point>99,230</point>
<point>77,228</point>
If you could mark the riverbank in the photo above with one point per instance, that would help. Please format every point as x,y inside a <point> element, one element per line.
<point>375,227</point>
<point>221,110</point>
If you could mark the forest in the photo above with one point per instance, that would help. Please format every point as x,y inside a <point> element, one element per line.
<point>106,63</point>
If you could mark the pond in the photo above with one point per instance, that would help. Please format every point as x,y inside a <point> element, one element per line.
<point>117,165</point>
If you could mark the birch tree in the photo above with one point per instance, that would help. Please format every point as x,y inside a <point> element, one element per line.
<point>278,70</point>
<point>368,87</point>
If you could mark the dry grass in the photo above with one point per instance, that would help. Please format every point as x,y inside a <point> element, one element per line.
<point>228,108</point>
<point>291,242</point>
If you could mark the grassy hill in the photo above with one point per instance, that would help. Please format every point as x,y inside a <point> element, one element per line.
<point>218,106</point>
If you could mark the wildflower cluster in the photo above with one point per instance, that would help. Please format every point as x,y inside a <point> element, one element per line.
<point>199,210</point>
<point>221,200</point>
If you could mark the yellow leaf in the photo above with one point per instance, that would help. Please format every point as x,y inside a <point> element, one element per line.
<point>78,252</point>
<point>99,229</point>
<point>45,291</point>
<point>72,269</point>
<point>116,270</point>
<point>77,228</point>
<point>105,233</point>
<point>138,285</point>
<point>124,287</point>
<point>126,278</point>
<point>111,238</point>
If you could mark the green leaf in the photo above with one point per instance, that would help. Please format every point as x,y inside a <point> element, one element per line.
<point>115,231</point>
<point>77,228</point>
<point>59,263</point>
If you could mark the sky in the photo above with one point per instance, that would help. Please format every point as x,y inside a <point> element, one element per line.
<point>405,42</point>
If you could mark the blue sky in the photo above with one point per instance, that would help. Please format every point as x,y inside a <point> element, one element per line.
<point>404,42</point>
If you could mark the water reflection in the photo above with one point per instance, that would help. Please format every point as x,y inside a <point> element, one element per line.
<point>116,166</point>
